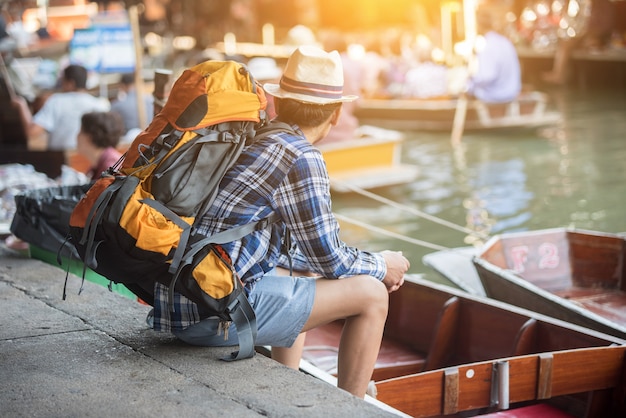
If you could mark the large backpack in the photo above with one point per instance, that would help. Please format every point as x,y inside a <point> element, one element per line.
<point>136,225</point>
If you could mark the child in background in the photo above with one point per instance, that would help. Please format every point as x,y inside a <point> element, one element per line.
<point>99,136</point>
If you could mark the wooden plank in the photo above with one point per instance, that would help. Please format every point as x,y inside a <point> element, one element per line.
<point>587,369</point>
<point>544,382</point>
<point>451,391</point>
<point>409,104</point>
<point>476,381</point>
<point>418,395</point>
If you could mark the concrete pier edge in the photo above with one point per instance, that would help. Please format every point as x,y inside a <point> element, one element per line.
<point>94,355</point>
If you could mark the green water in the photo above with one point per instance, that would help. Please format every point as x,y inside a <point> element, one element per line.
<point>569,175</point>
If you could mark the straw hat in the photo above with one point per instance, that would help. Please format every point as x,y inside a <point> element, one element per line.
<point>264,68</point>
<point>311,76</point>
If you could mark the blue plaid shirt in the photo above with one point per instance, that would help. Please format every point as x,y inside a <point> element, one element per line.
<point>283,174</point>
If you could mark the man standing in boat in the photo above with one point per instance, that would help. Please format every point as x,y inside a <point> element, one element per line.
<point>285,174</point>
<point>496,77</point>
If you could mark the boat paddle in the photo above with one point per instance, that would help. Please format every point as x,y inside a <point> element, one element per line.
<point>458,123</point>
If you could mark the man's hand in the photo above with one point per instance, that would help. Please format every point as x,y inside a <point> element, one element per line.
<point>397,266</point>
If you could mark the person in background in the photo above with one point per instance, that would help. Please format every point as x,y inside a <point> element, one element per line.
<point>56,125</point>
<point>285,174</point>
<point>98,139</point>
<point>127,107</point>
<point>497,75</point>
<point>426,78</point>
<point>596,35</point>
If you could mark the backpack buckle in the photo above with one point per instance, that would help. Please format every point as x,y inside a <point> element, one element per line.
<point>169,140</point>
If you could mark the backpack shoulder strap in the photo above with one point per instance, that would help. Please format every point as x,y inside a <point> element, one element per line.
<point>273,126</point>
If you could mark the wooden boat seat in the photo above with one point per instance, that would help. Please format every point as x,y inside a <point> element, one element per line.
<point>525,339</point>
<point>445,349</point>
<point>530,103</point>
<point>394,359</point>
<point>442,345</point>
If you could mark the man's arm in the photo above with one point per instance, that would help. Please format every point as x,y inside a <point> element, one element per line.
<point>37,137</point>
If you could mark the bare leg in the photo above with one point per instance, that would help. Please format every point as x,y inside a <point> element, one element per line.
<point>290,356</point>
<point>560,68</point>
<point>363,302</point>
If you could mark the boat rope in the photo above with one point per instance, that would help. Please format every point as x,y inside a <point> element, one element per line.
<point>390,233</point>
<point>413,211</point>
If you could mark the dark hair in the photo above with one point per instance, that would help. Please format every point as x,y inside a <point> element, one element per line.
<point>128,78</point>
<point>103,128</point>
<point>77,74</point>
<point>305,115</point>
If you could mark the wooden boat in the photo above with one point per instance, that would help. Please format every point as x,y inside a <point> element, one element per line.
<point>574,275</point>
<point>371,159</point>
<point>445,352</point>
<point>527,111</point>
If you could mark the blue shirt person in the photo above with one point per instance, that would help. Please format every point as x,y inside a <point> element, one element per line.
<point>497,77</point>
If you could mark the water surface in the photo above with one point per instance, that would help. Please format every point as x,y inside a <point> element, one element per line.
<point>569,175</point>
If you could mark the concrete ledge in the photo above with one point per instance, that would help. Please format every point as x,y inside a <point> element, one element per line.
<point>94,355</point>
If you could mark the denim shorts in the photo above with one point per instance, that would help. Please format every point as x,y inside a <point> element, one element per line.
<point>282,305</point>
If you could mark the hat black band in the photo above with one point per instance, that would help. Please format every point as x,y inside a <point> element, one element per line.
<point>311,89</point>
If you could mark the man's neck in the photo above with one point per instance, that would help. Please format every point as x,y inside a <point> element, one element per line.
<point>316,133</point>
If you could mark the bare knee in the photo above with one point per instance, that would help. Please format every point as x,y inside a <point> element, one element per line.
<point>375,296</point>
<point>358,296</point>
